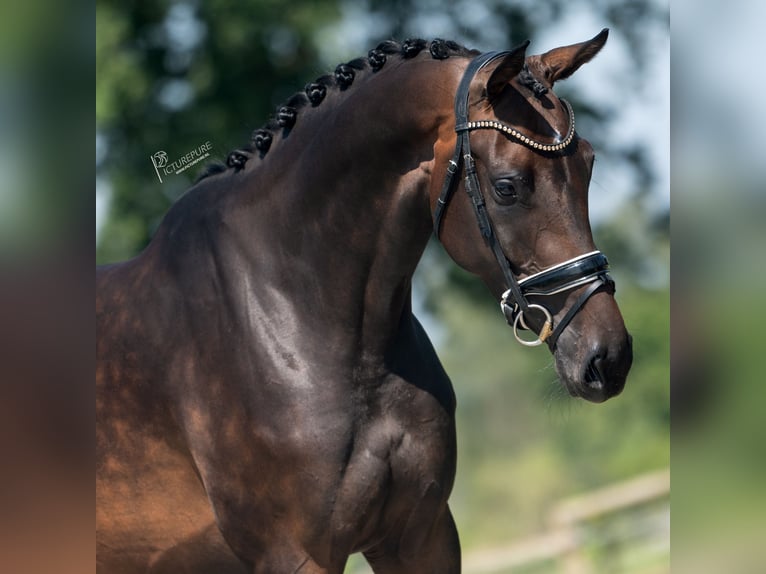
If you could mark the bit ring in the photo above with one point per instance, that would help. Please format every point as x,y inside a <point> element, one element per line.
<point>545,332</point>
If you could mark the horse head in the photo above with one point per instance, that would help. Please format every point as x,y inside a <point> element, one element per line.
<point>523,224</point>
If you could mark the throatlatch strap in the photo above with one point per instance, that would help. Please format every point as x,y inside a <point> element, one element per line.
<point>447,188</point>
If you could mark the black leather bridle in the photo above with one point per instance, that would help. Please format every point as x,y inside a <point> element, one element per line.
<point>589,269</point>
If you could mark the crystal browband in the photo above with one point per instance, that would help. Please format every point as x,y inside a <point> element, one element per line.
<point>514,133</point>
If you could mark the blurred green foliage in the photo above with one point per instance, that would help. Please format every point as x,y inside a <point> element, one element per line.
<point>173,75</point>
<point>44,110</point>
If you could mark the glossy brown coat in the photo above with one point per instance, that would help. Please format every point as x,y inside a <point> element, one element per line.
<point>266,400</point>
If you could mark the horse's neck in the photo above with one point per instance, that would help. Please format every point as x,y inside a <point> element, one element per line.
<point>345,218</point>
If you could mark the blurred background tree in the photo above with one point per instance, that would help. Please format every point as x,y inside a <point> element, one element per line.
<point>172,75</point>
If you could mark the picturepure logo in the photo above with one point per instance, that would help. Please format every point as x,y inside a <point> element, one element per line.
<point>159,160</point>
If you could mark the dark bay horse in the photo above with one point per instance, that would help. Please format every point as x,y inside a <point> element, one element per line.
<point>266,400</point>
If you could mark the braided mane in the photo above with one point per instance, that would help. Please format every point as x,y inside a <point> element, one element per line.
<point>287,114</point>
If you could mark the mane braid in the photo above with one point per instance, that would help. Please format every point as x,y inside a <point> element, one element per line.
<point>286,115</point>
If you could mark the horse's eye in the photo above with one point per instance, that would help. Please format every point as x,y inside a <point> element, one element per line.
<point>505,188</point>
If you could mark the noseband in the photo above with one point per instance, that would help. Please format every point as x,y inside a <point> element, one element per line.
<point>588,269</point>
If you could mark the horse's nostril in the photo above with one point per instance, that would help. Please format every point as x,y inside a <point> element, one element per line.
<point>594,376</point>
<point>602,378</point>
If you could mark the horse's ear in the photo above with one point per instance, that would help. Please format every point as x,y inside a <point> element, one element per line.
<point>505,70</point>
<point>561,63</point>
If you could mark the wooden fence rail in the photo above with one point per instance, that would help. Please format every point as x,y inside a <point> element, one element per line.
<point>568,521</point>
